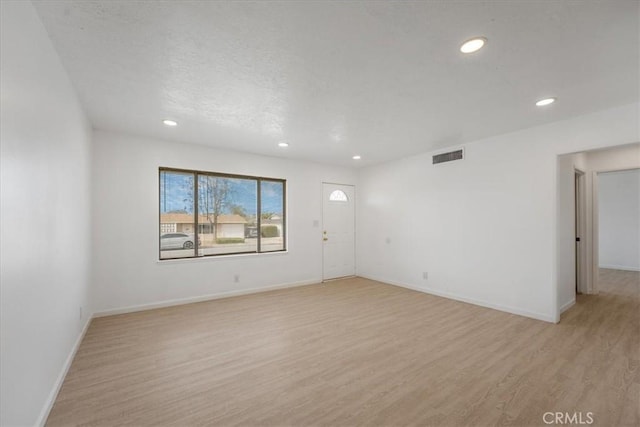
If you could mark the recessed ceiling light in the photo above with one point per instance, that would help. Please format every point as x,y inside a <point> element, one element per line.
<point>545,101</point>
<point>283,144</point>
<point>473,45</point>
<point>170,122</point>
<point>356,157</point>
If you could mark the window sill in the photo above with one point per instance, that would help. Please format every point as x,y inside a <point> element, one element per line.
<point>220,257</point>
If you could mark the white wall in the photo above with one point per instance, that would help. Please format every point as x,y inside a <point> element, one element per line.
<point>565,199</point>
<point>45,214</point>
<point>125,204</point>
<point>483,228</point>
<point>619,219</point>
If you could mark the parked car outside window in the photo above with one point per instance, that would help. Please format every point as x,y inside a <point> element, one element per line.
<point>251,232</point>
<point>176,241</point>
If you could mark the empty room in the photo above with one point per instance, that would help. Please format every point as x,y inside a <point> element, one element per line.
<point>319,213</point>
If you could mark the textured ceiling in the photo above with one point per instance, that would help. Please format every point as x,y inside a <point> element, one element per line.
<point>334,79</point>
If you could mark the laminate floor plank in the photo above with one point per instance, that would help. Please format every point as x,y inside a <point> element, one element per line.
<point>356,352</point>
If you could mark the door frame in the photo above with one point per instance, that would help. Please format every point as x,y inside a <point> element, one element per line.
<point>580,221</point>
<point>355,223</point>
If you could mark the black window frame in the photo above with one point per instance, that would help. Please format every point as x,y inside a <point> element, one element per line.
<point>196,174</point>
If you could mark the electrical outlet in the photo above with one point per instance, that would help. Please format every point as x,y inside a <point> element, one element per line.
<point>236,278</point>
<point>425,275</point>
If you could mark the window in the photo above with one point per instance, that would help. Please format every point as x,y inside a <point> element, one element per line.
<point>338,196</point>
<point>167,228</point>
<point>271,217</point>
<point>209,214</point>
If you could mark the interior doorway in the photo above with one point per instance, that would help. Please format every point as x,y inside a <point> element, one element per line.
<point>338,231</point>
<point>578,205</point>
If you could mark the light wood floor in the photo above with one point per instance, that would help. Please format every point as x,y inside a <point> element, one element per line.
<point>357,352</point>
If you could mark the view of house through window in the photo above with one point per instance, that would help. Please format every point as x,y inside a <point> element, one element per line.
<point>205,214</point>
<point>271,217</point>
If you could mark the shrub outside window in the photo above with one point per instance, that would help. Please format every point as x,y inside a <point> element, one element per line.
<point>210,214</point>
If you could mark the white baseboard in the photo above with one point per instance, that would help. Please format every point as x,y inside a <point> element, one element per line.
<point>44,414</point>
<point>620,267</point>
<point>189,300</point>
<point>567,306</point>
<point>449,295</point>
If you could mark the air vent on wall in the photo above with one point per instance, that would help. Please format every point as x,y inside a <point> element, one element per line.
<point>448,157</point>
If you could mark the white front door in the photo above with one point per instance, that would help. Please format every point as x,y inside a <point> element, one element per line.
<point>338,231</point>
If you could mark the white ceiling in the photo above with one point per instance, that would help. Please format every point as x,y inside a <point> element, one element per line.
<point>333,79</point>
